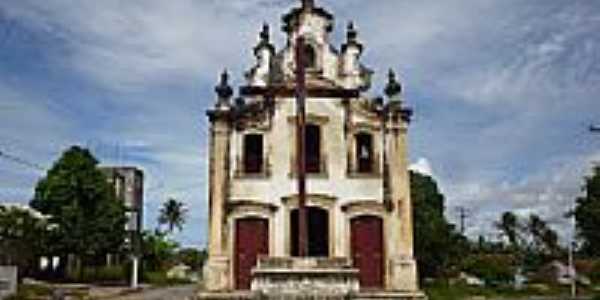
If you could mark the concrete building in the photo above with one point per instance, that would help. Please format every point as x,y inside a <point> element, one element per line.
<point>358,198</point>
<point>128,183</point>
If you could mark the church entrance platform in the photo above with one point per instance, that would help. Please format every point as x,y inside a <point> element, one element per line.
<point>307,278</point>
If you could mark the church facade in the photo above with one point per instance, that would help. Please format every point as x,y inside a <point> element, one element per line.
<point>358,202</point>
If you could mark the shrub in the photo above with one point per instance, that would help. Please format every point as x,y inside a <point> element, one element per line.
<point>110,274</point>
<point>105,274</point>
<point>493,269</point>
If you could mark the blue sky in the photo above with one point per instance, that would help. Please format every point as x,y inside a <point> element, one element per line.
<point>503,91</point>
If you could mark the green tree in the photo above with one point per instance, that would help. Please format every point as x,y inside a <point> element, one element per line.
<point>543,239</point>
<point>173,214</point>
<point>23,233</point>
<point>79,200</point>
<point>510,227</point>
<point>158,251</point>
<point>432,231</point>
<point>587,212</point>
<point>192,257</point>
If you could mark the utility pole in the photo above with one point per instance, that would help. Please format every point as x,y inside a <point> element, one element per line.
<point>572,271</point>
<point>300,147</point>
<point>463,214</point>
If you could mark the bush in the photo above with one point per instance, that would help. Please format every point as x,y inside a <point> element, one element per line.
<point>105,274</point>
<point>110,274</point>
<point>493,269</point>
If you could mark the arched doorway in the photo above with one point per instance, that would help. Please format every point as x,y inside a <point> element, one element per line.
<point>318,232</point>
<point>251,240</point>
<point>367,250</point>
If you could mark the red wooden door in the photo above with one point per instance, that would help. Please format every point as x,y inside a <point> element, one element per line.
<point>251,240</point>
<point>367,250</point>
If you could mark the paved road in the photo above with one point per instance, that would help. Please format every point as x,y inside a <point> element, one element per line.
<point>184,292</point>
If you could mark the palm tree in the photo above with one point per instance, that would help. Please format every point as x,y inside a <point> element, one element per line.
<point>509,227</point>
<point>173,214</point>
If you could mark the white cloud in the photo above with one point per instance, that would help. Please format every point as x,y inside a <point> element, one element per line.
<point>422,166</point>
<point>500,90</point>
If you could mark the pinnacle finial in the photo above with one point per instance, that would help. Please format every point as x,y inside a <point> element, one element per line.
<point>224,90</point>
<point>265,33</point>
<point>393,88</point>
<point>351,33</point>
<point>308,4</point>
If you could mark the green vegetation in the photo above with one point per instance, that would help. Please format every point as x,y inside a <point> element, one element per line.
<point>22,235</point>
<point>586,213</point>
<point>493,269</point>
<point>172,214</point>
<point>432,231</point>
<point>443,291</point>
<point>192,257</point>
<point>158,251</point>
<point>101,275</point>
<point>79,200</point>
<point>27,291</point>
<point>527,244</point>
<point>76,216</point>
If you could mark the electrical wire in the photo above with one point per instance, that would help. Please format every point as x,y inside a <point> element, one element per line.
<point>21,161</point>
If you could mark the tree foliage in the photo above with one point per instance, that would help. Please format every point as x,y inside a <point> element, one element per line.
<point>531,241</point>
<point>510,228</point>
<point>158,251</point>
<point>23,233</point>
<point>173,214</point>
<point>587,214</point>
<point>79,200</point>
<point>192,257</point>
<point>437,245</point>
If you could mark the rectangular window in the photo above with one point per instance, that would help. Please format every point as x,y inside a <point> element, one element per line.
<point>253,154</point>
<point>313,149</point>
<point>364,153</point>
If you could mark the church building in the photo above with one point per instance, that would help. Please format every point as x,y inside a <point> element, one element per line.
<point>356,203</point>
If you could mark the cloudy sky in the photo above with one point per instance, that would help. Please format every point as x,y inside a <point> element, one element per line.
<point>504,91</point>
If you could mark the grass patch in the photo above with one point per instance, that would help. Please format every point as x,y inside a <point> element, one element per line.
<point>443,291</point>
<point>30,291</point>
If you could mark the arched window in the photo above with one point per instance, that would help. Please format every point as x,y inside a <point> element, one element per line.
<point>253,153</point>
<point>364,153</point>
<point>313,148</point>
<point>310,57</point>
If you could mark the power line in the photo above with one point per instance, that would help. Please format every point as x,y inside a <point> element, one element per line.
<point>21,161</point>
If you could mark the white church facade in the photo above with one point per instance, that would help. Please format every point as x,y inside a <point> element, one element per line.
<point>358,204</point>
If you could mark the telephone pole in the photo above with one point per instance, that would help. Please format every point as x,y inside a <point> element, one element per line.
<point>463,214</point>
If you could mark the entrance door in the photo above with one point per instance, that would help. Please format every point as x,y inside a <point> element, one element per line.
<point>367,250</point>
<point>318,232</point>
<point>251,240</point>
